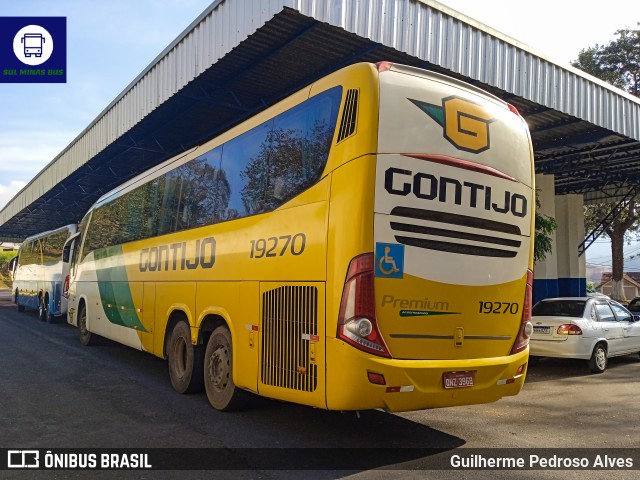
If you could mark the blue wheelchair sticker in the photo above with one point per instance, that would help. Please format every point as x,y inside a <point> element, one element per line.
<point>389,260</point>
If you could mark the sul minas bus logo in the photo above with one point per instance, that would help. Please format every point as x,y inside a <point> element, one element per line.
<point>33,49</point>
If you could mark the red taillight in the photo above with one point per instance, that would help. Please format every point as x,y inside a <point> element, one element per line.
<point>526,328</point>
<point>569,329</point>
<point>65,287</point>
<point>357,323</point>
<point>384,66</point>
<point>514,110</point>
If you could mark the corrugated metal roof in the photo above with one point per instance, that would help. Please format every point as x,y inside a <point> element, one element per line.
<point>241,55</point>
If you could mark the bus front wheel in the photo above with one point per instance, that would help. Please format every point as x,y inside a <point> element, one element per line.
<point>86,337</point>
<point>185,360</point>
<point>218,372</point>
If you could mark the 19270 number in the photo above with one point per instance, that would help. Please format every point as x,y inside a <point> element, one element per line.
<point>278,246</point>
<point>499,307</point>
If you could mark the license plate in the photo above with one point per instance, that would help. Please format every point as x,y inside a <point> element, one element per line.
<point>542,330</point>
<point>458,379</point>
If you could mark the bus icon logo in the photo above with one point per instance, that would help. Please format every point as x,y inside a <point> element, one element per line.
<point>33,44</point>
<point>389,260</point>
<point>23,459</point>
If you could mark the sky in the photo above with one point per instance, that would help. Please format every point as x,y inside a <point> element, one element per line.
<point>110,42</point>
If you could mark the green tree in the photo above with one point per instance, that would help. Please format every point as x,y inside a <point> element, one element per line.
<point>619,231</point>
<point>545,226</point>
<point>617,63</point>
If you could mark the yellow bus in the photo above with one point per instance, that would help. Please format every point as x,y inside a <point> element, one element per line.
<point>364,243</point>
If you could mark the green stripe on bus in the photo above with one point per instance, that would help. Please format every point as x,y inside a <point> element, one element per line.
<point>113,284</point>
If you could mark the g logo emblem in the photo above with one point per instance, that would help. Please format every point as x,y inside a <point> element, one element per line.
<point>465,124</point>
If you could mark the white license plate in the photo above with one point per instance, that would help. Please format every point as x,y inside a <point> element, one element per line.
<point>542,330</point>
<point>458,379</point>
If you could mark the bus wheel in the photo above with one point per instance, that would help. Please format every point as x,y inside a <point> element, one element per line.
<point>185,360</point>
<point>86,337</point>
<point>43,310</point>
<point>20,307</point>
<point>218,372</point>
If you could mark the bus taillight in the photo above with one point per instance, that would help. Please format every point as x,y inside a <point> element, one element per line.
<point>357,323</point>
<point>526,327</point>
<point>65,287</point>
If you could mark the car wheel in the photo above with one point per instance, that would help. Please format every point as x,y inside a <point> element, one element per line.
<point>598,361</point>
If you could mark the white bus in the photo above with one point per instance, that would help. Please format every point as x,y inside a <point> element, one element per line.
<point>40,271</point>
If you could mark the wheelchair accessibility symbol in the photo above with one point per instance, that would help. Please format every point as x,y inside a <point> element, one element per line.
<point>389,260</point>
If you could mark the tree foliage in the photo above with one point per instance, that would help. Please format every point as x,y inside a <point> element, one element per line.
<point>617,62</point>
<point>545,226</point>
<point>618,231</point>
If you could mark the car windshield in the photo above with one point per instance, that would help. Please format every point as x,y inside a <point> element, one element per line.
<point>559,308</point>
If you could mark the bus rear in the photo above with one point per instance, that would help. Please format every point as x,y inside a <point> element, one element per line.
<point>438,315</point>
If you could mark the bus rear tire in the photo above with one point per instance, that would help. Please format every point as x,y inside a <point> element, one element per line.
<point>218,373</point>
<point>86,337</point>
<point>43,310</point>
<point>20,307</point>
<point>185,361</point>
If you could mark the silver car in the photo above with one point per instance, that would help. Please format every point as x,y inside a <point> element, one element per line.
<point>587,328</point>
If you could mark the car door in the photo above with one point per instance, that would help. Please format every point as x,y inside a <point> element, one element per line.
<point>611,328</point>
<point>630,328</point>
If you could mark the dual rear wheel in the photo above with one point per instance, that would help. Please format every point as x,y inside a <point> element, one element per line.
<point>192,367</point>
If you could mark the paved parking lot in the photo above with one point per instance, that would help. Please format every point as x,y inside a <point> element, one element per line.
<point>54,393</point>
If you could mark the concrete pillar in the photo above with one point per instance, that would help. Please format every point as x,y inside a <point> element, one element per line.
<point>572,270</point>
<point>545,272</point>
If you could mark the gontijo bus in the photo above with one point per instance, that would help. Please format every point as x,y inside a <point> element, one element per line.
<point>39,272</point>
<point>365,243</point>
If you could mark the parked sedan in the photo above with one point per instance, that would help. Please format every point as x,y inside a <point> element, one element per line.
<point>593,329</point>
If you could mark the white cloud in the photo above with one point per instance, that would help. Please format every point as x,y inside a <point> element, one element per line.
<point>7,192</point>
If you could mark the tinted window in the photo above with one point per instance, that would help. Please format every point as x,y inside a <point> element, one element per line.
<point>605,313</point>
<point>30,253</point>
<point>253,173</point>
<point>561,308</point>
<point>52,247</point>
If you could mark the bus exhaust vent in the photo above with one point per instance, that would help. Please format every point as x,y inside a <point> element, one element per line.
<point>289,325</point>
<point>349,115</point>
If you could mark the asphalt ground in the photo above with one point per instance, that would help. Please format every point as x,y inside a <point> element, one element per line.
<point>57,394</point>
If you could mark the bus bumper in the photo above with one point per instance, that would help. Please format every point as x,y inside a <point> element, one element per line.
<point>415,384</point>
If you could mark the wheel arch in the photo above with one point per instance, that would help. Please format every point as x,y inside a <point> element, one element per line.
<point>210,319</point>
<point>175,316</point>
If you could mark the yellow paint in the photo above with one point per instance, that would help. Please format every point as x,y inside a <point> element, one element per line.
<point>336,218</point>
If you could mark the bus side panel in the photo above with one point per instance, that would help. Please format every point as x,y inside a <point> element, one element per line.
<point>292,342</point>
<point>237,304</point>
<point>148,317</point>
<point>350,227</point>
<point>27,278</point>
<point>173,298</point>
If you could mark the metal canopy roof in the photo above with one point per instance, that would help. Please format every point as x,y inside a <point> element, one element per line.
<point>240,56</point>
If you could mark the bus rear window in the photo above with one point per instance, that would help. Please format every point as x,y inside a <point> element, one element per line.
<point>559,308</point>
